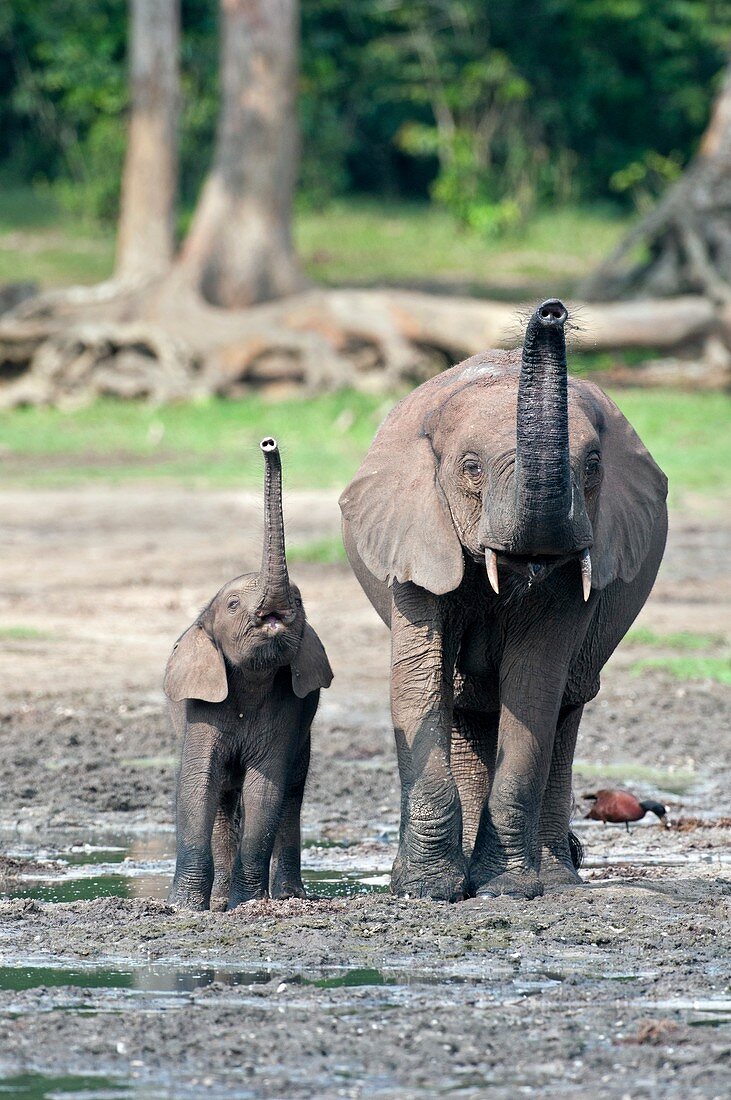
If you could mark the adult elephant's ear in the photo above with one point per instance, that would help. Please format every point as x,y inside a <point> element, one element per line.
<point>196,669</point>
<point>395,508</point>
<point>310,667</point>
<point>632,497</point>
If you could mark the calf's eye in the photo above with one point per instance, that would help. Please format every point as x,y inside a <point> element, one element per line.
<point>472,467</point>
<point>233,603</point>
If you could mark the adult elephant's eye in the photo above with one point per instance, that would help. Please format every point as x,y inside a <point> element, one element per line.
<point>233,603</point>
<point>472,467</point>
<point>592,466</point>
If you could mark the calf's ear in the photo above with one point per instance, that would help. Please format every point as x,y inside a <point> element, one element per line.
<point>310,667</point>
<point>196,669</point>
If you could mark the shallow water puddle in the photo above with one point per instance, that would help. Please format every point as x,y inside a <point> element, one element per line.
<point>654,859</point>
<point>154,882</point>
<point>38,1086</point>
<point>145,979</point>
<point>105,989</point>
<point>142,867</point>
<point>75,879</point>
<point>344,884</point>
<point>709,1012</point>
<point>83,888</point>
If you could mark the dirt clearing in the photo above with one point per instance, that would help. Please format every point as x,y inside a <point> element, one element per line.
<point>622,988</point>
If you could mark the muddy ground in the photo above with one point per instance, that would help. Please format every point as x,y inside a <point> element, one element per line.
<point>622,988</point>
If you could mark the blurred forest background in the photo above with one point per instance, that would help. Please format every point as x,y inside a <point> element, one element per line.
<point>489,111</point>
<point>418,170</point>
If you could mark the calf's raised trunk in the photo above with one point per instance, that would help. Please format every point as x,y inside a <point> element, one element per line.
<point>276,593</point>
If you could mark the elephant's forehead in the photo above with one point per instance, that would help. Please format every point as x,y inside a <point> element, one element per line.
<point>240,584</point>
<point>479,415</point>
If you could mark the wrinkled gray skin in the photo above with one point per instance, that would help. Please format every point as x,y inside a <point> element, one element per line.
<point>244,683</point>
<point>500,465</point>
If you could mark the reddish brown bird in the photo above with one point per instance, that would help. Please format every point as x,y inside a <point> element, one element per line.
<point>621,807</point>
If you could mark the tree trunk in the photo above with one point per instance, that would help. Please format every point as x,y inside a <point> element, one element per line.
<point>686,239</point>
<point>146,239</point>
<point>239,250</point>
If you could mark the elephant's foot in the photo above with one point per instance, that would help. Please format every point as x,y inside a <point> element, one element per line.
<point>438,879</point>
<point>187,897</point>
<point>241,896</point>
<point>288,888</point>
<point>220,893</point>
<point>430,862</point>
<point>511,884</point>
<point>557,869</point>
<point>193,879</point>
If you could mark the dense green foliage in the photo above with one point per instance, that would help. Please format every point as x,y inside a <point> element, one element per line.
<point>488,108</point>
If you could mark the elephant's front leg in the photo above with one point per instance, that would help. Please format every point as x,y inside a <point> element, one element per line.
<point>262,797</point>
<point>286,869</point>
<point>198,799</point>
<point>430,862</point>
<point>506,857</point>
<point>557,865</point>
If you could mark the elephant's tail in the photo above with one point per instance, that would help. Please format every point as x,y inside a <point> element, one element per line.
<point>577,850</point>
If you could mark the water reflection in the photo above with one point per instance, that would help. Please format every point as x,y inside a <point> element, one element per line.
<point>39,1086</point>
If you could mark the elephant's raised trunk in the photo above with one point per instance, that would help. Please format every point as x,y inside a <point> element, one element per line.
<point>543,494</point>
<point>276,594</point>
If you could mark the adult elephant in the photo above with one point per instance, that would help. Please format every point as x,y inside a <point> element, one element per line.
<point>508,524</point>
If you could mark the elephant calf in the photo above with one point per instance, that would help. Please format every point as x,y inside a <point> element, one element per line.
<point>244,683</point>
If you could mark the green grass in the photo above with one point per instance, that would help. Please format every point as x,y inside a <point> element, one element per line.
<point>368,242</point>
<point>694,659</point>
<point>23,634</point>
<point>150,762</point>
<point>349,242</point>
<point>682,640</point>
<point>41,243</point>
<point>325,551</point>
<point>215,442</point>
<point>687,434</point>
<point>716,669</point>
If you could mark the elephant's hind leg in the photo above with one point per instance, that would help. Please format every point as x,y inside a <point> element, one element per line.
<point>474,745</point>
<point>558,865</point>
<point>225,844</point>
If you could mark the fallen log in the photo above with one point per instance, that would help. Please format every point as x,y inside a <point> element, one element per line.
<point>164,343</point>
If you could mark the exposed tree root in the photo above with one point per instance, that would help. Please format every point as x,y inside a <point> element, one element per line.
<point>158,340</point>
<point>684,244</point>
<point>86,361</point>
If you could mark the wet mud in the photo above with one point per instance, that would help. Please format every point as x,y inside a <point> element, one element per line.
<point>620,988</point>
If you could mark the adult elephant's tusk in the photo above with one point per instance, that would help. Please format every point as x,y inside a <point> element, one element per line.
<point>585,564</point>
<point>491,563</point>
